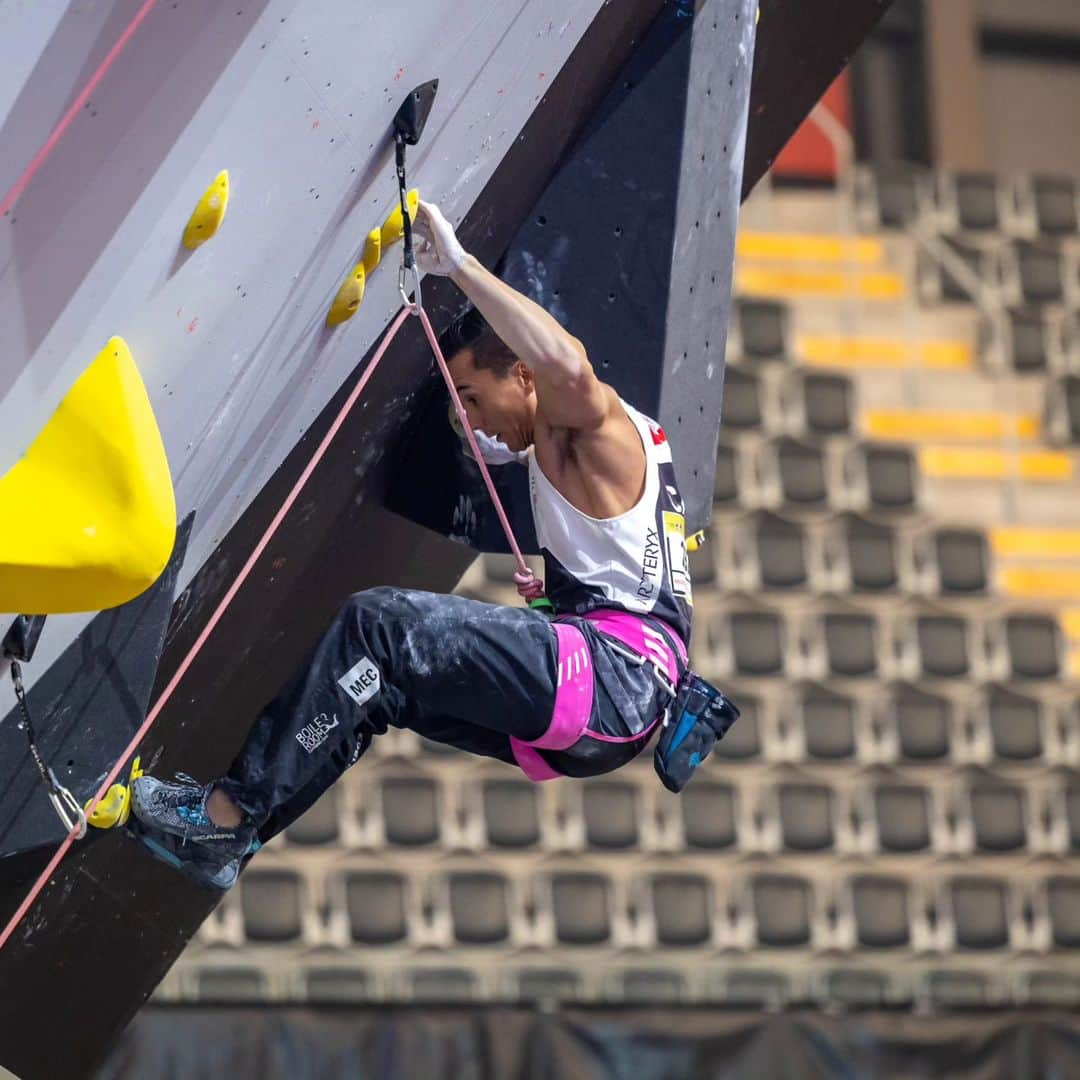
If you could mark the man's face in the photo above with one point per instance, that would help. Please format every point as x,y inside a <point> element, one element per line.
<point>502,406</point>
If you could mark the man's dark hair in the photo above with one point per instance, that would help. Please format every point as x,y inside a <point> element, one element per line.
<point>489,351</point>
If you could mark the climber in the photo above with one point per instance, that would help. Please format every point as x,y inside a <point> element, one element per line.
<point>577,695</point>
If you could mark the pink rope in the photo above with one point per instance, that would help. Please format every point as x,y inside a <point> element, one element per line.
<point>167,693</point>
<point>260,547</point>
<point>529,586</point>
<point>50,143</point>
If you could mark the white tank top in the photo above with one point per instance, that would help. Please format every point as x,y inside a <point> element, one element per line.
<point>634,562</point>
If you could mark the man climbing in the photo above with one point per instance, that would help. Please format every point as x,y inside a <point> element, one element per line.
<point>576,695</point>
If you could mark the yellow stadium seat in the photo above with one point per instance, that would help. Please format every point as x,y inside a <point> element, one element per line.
<point>1070,624</point>
<point>87,515</point>
<point>860,352</point>
<point>915,425</point>
<point>1041,582</point>
<point>757,281</point>
<point>809,247</point>
<point>1012,542</point>
<point>982,463</point>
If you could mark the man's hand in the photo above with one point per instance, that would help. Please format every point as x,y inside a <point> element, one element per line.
<point>438,250</point>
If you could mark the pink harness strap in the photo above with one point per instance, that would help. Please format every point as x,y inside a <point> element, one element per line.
<point>574,690</point>
<point>573,704</point>
<point>646,641</point>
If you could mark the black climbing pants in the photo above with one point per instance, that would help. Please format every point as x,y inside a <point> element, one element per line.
<point>455,670</point>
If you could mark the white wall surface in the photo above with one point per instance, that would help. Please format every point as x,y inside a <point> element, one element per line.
<point>295,100</point>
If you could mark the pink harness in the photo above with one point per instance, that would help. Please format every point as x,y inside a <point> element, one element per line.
<point>575,685</point>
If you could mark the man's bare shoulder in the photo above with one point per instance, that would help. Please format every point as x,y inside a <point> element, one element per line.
<point>599,470</point>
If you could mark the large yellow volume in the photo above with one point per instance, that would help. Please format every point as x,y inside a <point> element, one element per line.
<point>88,515</point>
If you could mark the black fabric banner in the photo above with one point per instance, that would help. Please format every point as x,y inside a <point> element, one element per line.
<point>458,1043</point>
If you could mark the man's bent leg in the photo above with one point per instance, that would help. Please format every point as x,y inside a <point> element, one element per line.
<point>388,652</point>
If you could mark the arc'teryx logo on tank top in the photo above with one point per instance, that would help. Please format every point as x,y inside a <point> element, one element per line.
<point>650,565</point>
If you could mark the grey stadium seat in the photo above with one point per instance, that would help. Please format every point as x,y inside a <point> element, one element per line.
<point>547,984</point>
<point>943,645</point>
<point>806,816</point>
<point>708,812</point>
<point>977,261</point>
<point>1015,724</point>
<point>582,908</point>
<point>682,907</point>
<point>726,479</point>
<point>1027,332</point>
<point>741,404</point>
<point>270,902</point>
<point>1063,899</point>
<point>890,476</point>
<point>1041,269</point>
<point>802,472</point>
<point>650,986</point>
<point>611,813</point>
<point>977,201</point>
<point>871,551</point>
<point>511,815</point>
<point>1034,644</point>
<point>999,815</point>
<point>782,910</point>
<point>979,912</point>
<point>440,984</point>
<point>828,721</point>
<point>743,739</point>
<point>1072,811</point>
<point>924,722</point>
<point>897,195</point>
<point>375,903</point>
<point>963,560</point>
<point>851,644</point>
<point>781,551</point>
<point>330,985</point>
<point>757,641</point>
<point>410,806</point>
<point>827,403</point>
<point>1055,204</point>
<point>903,817</point>
<point>479,908</point>
<point>881,909</point>
<point>763,328</point>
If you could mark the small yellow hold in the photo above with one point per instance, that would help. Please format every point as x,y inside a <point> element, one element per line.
<point>372,250</point>
<point>394,227</point>
<point>348,298</point>
<point>694,542</point>
<point>208,215</point>
<point>115,808</point>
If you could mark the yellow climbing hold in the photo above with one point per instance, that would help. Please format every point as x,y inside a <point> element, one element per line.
<point>394,227</point>
<point>348,297</point>
<point>115,808</point>
<point>208,215</point>
<point>372,250</point>
<point>88,515</point>
<point>694,542</point>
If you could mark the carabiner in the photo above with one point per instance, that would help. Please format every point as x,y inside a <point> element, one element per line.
<point>413,306</point>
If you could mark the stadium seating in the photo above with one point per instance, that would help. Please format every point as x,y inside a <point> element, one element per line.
<point>889,589</point>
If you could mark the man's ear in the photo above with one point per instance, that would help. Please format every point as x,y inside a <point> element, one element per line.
<point>524,373</point>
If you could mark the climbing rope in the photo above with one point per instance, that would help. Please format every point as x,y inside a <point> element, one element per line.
<point>528,585</point>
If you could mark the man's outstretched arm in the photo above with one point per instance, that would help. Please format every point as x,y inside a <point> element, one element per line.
<point>568,392</point>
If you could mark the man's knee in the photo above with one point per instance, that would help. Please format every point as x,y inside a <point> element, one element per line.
<point>389,602</point>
